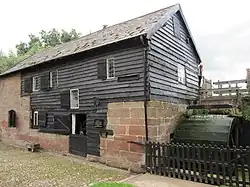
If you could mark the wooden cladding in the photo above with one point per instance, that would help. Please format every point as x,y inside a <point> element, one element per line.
<point>45,81</point>
<point>65,99</point>
<point>28,85</point>
<point>102,69</point>
<point>42,119</point>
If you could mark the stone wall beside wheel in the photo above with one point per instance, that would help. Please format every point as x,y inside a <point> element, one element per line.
<point>10,99</point>
<point>127,120</point>
<point>163,117</point>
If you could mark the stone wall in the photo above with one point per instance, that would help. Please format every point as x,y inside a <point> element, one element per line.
<point>162,119</point>
<point>10,94</point>
<point>127,120</point>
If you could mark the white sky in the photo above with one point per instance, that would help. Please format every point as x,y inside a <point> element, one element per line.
<point>221,28</point>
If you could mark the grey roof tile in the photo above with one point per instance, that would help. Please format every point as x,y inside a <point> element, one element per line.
<point>122,31</point>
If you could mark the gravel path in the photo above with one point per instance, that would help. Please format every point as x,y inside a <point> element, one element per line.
<point>21,168</point>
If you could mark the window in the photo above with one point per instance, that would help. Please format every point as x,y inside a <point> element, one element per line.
<point>177,29</point>
<point>181,74</point>
<point>53,79</point>
<point>110,68</point>
<point>74,98</point>
<point>35,119</point>
<point>35,84</point>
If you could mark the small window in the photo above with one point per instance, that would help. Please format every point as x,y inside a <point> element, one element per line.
<point>181,74</point>
<point>74,98</point>
<point>110,68</point>
<point>35,119</point>
<point>35,84</point>
<point>53,79</point>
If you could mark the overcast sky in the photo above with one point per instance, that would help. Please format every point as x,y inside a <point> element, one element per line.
<point>221,28</point>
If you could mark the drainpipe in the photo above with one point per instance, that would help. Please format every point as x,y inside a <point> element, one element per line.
<point>145,59</point>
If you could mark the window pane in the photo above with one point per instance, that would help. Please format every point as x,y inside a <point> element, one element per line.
<point>74,95</point>
<point>110,68</point>
<point>181,74</point>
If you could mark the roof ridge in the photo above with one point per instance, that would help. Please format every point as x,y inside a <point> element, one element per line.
<point>101,30</point>
<point>117,32</point>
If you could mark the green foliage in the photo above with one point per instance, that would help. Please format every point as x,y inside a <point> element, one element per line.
<point>246,112</point>
<point>36,43</point>
<point>200,112</point>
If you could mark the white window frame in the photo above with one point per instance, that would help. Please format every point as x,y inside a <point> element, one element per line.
<point>107,66</point>
<point>51,78</point>
<point>71,98</point>
<point>34,83</point>
<point>181,72</point>
<point>35,120</point>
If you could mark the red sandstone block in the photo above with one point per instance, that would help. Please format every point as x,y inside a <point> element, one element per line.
<point>125,121</point>
<point>136,148</point>
<point>141,139</point>
<point>154,122</point>
<point>125,138</point>
<point>137,113</point>
<point>103,143</point>
<point>114,121</point>
<point>117,145</point>
<point>111,152</point>
<point>131,157</point>
<point>151,112</point>
<point>135,121</point>
<point>152,131</point>
<point>136,130</point>
<point>119,130</point>
<point>125,113</point>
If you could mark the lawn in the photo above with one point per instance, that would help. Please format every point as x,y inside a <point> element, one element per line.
<point>21,168</point>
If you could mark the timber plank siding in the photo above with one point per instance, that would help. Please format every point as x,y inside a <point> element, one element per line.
<point>82,75</point>
<point>165,53</point>
<point>146,56</point>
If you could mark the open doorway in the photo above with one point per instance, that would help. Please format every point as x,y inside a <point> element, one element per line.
<point>78,138</point>
<point>79,124</point>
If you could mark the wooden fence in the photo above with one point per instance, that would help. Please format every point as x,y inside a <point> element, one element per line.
<point>200,163</point>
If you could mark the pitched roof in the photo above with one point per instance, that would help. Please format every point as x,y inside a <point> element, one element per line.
<point>146,24</point>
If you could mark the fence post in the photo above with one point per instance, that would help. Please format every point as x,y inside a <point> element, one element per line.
<point>169,152</point>
<point>189,162</point>
<point>183,150</point>
<point>211,151</point>
<point>199,162</point>
<point>242,166</point>
<point>222,157</point>
<point>248,164</point>
<point>178,160</point>
<point>216,149</point>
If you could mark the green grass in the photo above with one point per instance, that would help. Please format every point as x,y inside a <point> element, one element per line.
<point>110,184</point>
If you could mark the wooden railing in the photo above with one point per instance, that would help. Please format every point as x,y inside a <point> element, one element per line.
<point>219,165</point>
<point>222,88</point>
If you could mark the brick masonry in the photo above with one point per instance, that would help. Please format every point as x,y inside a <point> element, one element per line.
<point>10,94</point>
<point>127,120</point>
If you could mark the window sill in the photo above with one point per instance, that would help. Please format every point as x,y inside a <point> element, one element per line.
<point>112,79</point>
<point>54,131</point>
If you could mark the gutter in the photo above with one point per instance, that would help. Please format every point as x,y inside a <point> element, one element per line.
<point>146,96</point>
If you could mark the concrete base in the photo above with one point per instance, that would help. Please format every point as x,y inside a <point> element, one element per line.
<point>148,180</point>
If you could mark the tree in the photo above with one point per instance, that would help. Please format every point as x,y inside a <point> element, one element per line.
<point>36,43</point>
